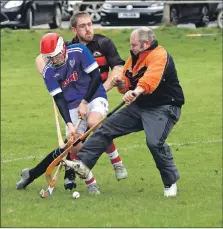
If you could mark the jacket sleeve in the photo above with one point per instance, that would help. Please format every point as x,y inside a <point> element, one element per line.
<point>126,84</point>
<point>155,69</point>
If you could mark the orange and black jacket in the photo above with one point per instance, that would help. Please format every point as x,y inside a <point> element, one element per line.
<point>154,70</point>
<point>104,51</point>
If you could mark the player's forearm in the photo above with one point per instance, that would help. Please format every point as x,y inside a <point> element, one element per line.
<point>93,85</point>
<point>107,84</point>
<point>115,72</point>
<point>63,107</point>
<point>40,63</point>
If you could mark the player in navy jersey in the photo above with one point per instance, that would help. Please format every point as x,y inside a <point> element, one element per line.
<point>67,72</point>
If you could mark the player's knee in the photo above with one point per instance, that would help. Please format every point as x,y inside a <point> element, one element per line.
<point>152,143</point>
<point>94,118</point>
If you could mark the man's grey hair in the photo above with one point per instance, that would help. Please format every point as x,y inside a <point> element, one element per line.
<point>144,34</point>
<point>76,15</point>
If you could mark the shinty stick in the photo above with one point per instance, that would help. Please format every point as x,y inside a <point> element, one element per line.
<point>48,192</point>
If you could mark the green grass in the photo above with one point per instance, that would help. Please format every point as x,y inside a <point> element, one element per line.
<point>28,129</point>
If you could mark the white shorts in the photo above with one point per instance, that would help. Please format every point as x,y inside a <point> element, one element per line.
<point>99,105</point>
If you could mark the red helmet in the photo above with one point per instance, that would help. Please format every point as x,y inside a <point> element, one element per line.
<point>51,45</point>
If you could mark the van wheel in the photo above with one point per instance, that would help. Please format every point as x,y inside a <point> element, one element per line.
<point>205,17</point>
<point>94,11</point>
<point>220,19</point>
<point>29,18</point>
<point>57,18</point>
<point>174,15</point>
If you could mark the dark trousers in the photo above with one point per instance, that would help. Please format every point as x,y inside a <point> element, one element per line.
<point>156,122</point>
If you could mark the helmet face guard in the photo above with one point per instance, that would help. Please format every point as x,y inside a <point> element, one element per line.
<point>53,49</point>
<point>58,60</point>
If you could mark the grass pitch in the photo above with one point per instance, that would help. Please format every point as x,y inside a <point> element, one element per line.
<point>28,133</point>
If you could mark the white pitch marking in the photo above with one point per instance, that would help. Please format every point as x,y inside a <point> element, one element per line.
<point>20,158</point>
<point>175,144</point>
<point>120,148</point>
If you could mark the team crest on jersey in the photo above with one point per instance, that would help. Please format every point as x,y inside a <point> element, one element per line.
<point>72,63</point>
<point>96,54</point>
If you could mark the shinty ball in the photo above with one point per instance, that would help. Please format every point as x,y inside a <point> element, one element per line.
<point>76,195</point>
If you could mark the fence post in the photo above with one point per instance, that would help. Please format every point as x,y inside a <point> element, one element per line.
<point>166,13</point>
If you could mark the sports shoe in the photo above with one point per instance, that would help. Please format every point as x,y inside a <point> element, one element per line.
<point>25,180</point>
<point>78,166</point>
<point>170,190</point>
<point>93,189</point>
<point>120,172</point>
<point>69,179</point>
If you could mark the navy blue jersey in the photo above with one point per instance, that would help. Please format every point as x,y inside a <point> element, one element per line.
<point>72,78</point>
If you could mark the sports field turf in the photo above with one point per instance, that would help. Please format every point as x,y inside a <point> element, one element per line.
<point>28,133</point>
